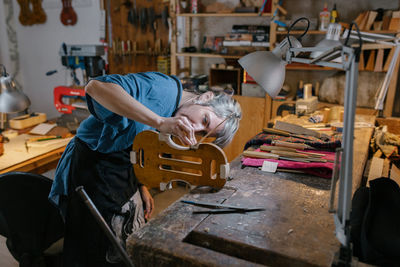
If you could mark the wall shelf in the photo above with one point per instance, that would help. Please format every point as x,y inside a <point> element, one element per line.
<point>206,55</point>
<point>324,32</point>
<point>223,15</point>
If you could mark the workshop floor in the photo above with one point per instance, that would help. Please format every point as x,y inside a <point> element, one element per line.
<point>162,201</point>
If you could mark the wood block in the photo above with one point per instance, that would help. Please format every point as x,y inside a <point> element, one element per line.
<point>395,174</point>
<point>388,60</point>
<point>394,24</point>
<point>371,61</point>
<point>376,168</point>
<point>379,60</point>
<point>385,23</point>
<point>26,121</point>
<point>361,64</point>
<point>370,20</point>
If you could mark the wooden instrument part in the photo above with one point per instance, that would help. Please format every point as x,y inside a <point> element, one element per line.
<point>25,13</point>
<point>158,161</point>
<point>68,15</point>
<point>27,16</point>
<point>39,16</point>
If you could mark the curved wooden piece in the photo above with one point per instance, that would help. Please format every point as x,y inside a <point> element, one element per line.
<point>25,13</point>
<point>158,163</point>
<point>68,15</point>
<point>39,16</point>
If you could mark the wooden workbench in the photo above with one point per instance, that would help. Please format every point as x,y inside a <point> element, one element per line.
<point>36,160</point>
<point>294,230</point>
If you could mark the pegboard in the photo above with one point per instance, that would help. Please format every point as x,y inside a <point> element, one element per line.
<point>136,43</point>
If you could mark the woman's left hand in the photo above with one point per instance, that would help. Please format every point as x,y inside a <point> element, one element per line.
<point>148,202</point>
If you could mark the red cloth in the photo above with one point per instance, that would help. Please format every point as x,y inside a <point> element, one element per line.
<point>321,169</point>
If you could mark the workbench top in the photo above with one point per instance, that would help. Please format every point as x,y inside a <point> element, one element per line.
<point>294,230</point>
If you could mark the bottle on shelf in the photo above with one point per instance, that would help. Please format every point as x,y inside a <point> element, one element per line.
<point>324,18</point>
<point>334,15</point>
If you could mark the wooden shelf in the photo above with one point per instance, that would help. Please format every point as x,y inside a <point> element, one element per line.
<point>206,55</point>
<point>223,15</point>
<point>324,32</point>
<point>300,66</point>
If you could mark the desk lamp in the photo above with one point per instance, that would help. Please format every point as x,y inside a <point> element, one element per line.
<point>271,81</point>
<point>12,99</point>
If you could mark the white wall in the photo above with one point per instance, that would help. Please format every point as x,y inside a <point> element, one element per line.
<point>39,45</point>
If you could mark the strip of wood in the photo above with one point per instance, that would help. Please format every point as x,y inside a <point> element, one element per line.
<point>289,154</point>
<point>281,148</point>
<point>261,155</point>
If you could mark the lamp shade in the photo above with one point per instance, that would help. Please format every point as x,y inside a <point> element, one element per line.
<point>267,69</point>
<point>331,40</point>
<point>11,98</point>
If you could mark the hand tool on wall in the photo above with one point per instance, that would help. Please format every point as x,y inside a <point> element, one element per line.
<point>143,19</point>
<point>132,14</point>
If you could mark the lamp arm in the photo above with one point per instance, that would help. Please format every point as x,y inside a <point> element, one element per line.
<point>381,93</point>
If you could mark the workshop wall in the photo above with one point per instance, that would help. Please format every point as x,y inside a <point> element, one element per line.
<point>39,44</point>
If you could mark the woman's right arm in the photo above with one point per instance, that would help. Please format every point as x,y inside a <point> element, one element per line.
<point>116,99</point>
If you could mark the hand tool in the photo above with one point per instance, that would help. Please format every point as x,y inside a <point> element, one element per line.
<point>219,208</point>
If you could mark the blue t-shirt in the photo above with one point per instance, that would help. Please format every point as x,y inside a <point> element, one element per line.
<point>106,132</point>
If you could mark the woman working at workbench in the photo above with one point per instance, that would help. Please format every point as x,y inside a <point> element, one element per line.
<point>98,156</point>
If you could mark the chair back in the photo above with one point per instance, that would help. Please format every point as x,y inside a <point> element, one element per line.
<point>27,219</point>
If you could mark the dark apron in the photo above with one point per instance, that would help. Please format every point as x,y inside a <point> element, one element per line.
<point>110,182</point>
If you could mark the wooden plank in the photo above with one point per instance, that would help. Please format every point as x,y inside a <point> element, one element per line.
<point>395,174</point>
<point>385,23</point>
<point>371,61</point>
<point>361,64</point>
<point>388,59</point>
<point>364,21</point>
<point>379,61</point>
<point>386,167</point>
<point>376,168</point>
<point>360,17</point>
<point>251,124</point>
<point>295,129</point>
<point>173,46</point>
<point>394,24</point>
<point>370,20</point>
<point>389,102</point>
